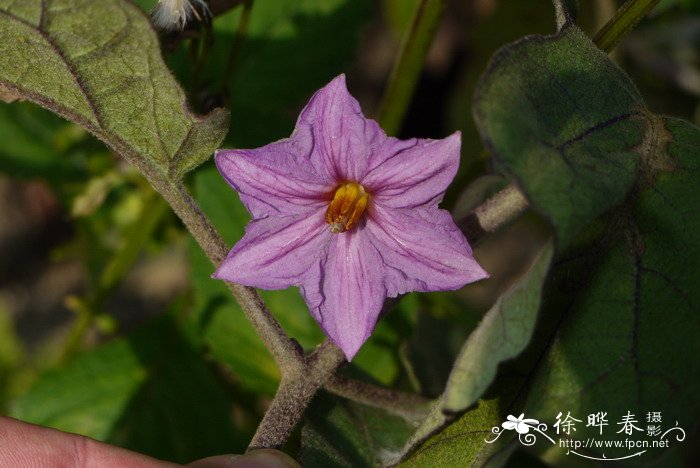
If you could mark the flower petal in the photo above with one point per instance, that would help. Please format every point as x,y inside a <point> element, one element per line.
<point>421,250</point>
<point>415,175</point>
<point>276,178</point>
<point>348,297</point>
<point>509,425</point>
<point>277,252</point>
<point>343,138</point>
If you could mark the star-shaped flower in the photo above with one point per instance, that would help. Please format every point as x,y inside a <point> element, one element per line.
<point>348,215</point>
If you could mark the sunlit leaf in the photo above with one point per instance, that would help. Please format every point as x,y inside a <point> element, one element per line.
<point>98,64</point>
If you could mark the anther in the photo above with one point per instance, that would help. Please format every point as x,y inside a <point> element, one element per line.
<point>346,208</point>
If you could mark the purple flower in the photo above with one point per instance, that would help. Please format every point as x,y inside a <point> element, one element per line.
<point>348,215</point>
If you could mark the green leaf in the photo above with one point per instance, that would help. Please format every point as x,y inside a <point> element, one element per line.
<point>463,443</point>
<point>564,123</point>
<point>98,64</point>
<point>503,333</point>
<point>124,393</point>
<point>628,337</point>
<point>340,433</point>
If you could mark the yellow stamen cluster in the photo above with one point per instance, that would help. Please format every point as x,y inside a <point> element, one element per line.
<point>349,202</point>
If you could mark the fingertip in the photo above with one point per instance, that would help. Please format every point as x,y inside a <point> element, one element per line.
<point>262,458</point>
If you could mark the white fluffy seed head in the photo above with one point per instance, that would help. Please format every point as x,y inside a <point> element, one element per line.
<point>169,15</point>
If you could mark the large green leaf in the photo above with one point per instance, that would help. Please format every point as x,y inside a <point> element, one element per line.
<point>565,124</point>
<point>620,188</point>
<point>628,337</point>
<point>150,392</point>
<point>341,433</point>
<point>98,64</point>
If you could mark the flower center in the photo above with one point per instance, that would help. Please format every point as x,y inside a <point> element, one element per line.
<point>349,202</point>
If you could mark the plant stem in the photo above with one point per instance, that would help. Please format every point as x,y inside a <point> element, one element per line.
<point>408,65</point>
<point>626,18</point>
<point>286,352</point>
<point>236,47</point>
<point>294,395</point>
<point>502,208</point>
<point>409,406</point>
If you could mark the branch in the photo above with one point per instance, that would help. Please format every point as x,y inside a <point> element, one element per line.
<point>626,18</point>
<point>294,395</point>
<point>413,408</point>
<point>499,210</point>
<point>408,65</point>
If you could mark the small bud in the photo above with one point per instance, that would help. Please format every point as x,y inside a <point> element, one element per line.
<point>169,15</point>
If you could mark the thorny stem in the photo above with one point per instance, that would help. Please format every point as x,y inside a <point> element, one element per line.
<point>237,44</point>
<point>626,18</point>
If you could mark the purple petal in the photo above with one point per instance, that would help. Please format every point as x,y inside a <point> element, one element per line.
<point>276,178</point>
<point>344,139</point>
<point>278,251</point>
<point>416,175</point>
<point>349,294</point>
<point>421,250</point>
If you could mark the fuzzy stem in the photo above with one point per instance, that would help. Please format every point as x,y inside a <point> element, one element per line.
<point>626,18</point>
<point>410,406</point>
<point>501,209</point>
<point>294,395</point>
<point>408,65</point>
